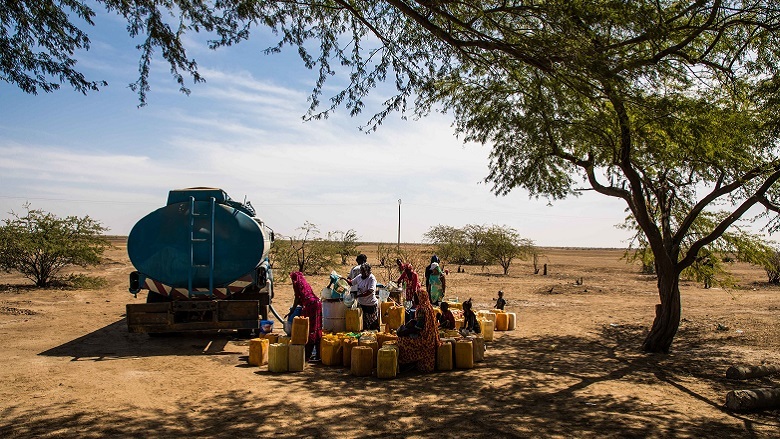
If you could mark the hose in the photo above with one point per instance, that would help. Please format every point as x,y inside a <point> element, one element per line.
<point>276,314</point>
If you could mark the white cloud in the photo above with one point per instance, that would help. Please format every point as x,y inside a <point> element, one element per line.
<point>242,131</point>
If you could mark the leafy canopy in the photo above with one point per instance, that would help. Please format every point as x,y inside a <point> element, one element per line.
<point>40,245</point>
<point>479,244</point>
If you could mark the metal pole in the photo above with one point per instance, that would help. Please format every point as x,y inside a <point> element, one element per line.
<point>398,248</point>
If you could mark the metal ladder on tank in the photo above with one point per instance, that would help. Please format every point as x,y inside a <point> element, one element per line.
<point>197,240</point>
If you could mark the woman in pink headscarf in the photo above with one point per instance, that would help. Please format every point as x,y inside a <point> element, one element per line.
<point>311,307</point>
<point>409,276</point>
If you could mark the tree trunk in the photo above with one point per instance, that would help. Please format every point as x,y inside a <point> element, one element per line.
<point>746,372</point>
<point>667,316</point>
<point>753,399</point>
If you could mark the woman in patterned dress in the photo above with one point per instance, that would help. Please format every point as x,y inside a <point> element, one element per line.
<point>422,339</point>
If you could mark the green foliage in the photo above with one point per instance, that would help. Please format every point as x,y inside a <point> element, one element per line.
<point>772,267</point>
<point>40,245</point>
<point>345,243</point>
<point>451,243</point>
<point>709,267</point>
<point>283,257</point>
<point>39,40</point>
<point>644,256</point>
<point>307,253</point>
<point>480,245</point>
<point>709,270</point>
<point>503,244</point>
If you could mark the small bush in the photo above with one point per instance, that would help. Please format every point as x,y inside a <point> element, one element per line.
<point>772,267</point>
<point>80,282</point>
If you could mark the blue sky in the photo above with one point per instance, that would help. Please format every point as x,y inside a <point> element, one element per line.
<point>101,155</point>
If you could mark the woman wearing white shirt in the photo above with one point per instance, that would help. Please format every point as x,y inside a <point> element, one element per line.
<point>355,272</point>
<point>366,285</point>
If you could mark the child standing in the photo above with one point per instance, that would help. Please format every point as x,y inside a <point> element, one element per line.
<point>500,303</point>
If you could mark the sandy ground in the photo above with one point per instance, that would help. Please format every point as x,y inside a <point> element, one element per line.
<point>571,369</point>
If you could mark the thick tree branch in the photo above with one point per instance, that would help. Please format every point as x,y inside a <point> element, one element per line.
<point>757,197</point>
<point>719,191</point>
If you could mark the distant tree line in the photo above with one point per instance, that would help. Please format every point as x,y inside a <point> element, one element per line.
<point>481,245</point>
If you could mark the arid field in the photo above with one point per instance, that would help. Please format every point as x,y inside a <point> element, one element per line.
<point>572,368</point>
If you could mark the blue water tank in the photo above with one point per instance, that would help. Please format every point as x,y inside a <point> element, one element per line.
<point>176,242</point>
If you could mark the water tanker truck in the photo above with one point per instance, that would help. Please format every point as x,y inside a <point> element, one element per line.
<point>203,259</point>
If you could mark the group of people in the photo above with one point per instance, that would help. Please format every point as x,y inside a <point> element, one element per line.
<point>418,338</point>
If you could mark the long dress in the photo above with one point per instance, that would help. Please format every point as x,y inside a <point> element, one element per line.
<point>421,349</point>
<point>410,278</point>
<point>437,287</point>
<point>311,306</point>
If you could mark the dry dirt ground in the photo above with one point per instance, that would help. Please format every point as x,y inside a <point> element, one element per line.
<point>572,368</point>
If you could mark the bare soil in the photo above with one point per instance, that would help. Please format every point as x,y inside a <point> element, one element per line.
<point>573,367</point>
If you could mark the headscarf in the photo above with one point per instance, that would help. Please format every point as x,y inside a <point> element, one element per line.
<point>423,348</point>
<point>310,304</point>
<point>301,288</point>
<point>412,282</point>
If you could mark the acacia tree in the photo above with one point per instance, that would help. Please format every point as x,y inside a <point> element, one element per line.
<point>345,243</point>
<point>450,242</point>
<point>503,244</point>
<point>479,244</point>
<point>465,245</point>
<point>772,267</point>
<point>668,106</point>
<point>307,252</point>
<point>39,245</point>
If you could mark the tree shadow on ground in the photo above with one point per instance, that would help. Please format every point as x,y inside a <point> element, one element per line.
<point>18,288</point>
<point>114,342</point>
<point>526,387</point>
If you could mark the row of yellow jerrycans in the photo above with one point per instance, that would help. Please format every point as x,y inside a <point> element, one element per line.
<point>281,356</point>
<point>502,321</point>
<point>460,353</point>
<point>375,351</point>
<point>380,352</point>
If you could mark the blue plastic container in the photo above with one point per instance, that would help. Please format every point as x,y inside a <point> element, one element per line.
<point>266,326</point>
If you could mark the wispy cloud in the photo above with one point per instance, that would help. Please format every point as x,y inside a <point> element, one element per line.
<point>243,131</point>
